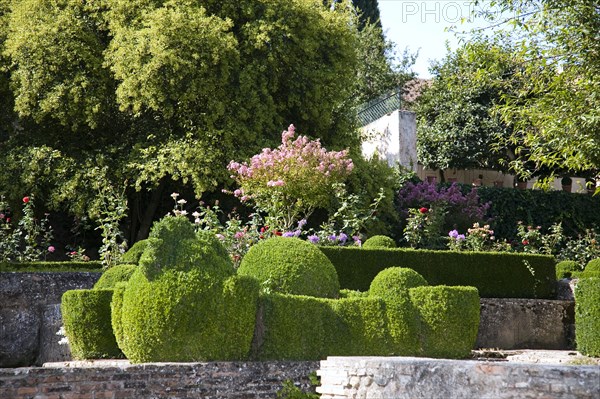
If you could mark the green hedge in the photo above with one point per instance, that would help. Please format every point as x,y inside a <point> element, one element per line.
<point>379,242</point>
<point>495,275</point>
<point>587,316</point>
<point>448,318</point>
<point>68,266</point>
<point>86,317</point>
<point>134,253</point>
<point>427,321</point>
<point>577,212</point>
<point>114,275</point>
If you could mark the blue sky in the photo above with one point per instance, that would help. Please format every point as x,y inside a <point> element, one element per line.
<point>420,25</point>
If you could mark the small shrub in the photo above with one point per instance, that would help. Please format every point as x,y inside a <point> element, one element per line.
<point>566,268</point>
<point>114,275</point>
<point>449,320</point>
<point>291,266</point>
<point>379,242</point>
<point>116,307</point>
<point>87,321</point>
<point>587,316</point>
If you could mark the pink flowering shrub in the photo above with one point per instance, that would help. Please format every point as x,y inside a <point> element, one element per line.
<point>288,183</point>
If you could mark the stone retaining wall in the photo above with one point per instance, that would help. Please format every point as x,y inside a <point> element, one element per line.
<point>158,380</point>
<point>413,378</point>
<point>30,315</point>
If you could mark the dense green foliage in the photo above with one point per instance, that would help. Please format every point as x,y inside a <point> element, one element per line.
<point>495,275</point>
<point>456,128</point>
<point>114,275</point>
<point>142,95</point>
<point>388,323</point>
<point>392,285</point>
<point>116,311</point>
<point>133,254</point>
<point>86,317</point>
<point>379,241</point>
<point>183,302</point>
<point>566,268</point>
<point>447,315</point>
<point>587,316</point>
<point>69,266</point>
<point>576,212</point>
<point>593,265</point>
<point>289,265</point>
<point>555,108</point>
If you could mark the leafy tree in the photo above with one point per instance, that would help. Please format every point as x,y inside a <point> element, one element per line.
<point>368,12</point>
<point>154,93</point>
<point>555,114</point>
<point>456,128</point>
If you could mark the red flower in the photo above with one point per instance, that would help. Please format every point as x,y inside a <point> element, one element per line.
<point>25,199</point>
<point>277,233</point>
<point>423,210</point>
<point>525,242</point>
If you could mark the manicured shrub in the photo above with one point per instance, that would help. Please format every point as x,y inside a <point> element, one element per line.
<point>449,320</point>
<point>133,254</point>
<point>86,317</point>
<point>593,266</point>
<point>566,268</point>
<point>379,242</point>
<point>298,327</point>
<point>587,316</point>
<point>392,285</point>
<point>291,266</point>
<point>116,307</point>
<point>68,266</point>
<point>114,275</point>
<point>184,303</point>
<point>495,275</point>
<point>586,274</point>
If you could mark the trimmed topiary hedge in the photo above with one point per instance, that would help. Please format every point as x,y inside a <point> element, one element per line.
<point>379,242</point>
<point>587,316</point>
<point>593,265</point>
<point>448,320</point>
<point>421,321</point>
<point>69,266</point>
<point>289,265</point>
<point>114,275</point>
<point>86,317</point>
<point>566,269</point>
<point>183,302</point>
<point>495,275</point>
<point>133,254</point>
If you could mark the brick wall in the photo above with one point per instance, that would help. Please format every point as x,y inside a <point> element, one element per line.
<point>119,379</point>
<point>413,378</point>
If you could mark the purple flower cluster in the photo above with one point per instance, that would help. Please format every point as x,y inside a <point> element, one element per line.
<point>425,194</point>
<point>455,235</point>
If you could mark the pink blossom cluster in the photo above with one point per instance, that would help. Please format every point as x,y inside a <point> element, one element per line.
<point>291,157</point>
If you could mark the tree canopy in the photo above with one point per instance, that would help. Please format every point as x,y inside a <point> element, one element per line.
<point>555,114</point>
<point>135,93</point>
<point>456,126</point>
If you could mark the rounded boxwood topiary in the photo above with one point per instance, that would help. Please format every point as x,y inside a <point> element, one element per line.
<point>566,268</point>
<point>593,266</point>
<point>393,283</point>
<point>87,319</point>
<point>184,302</point>
<point>379,242</point>
<point>448,318</point>
<point>289,265</point>
<point>114,275</point>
